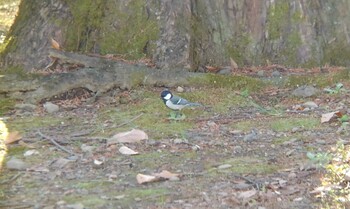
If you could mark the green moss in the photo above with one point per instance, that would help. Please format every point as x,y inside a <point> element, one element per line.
<point>246,125</point>
<point>33,122</point>
<point>237,48</point>
<point>230,82</point>
<point>319,80</point>
<point>291,49</point>
<point>95,27</point>
<point>277,19</point>
<point>90,201</point>
<point>155,195</point>
<point>6,104</point>
<point>220,100</point>
<point>246,165</point>
<point>285,124</point>
<point>27,9</point>
<point>91,184</point>
<point>337,52</point>
<point>16,150</point>
<point>137,78</point>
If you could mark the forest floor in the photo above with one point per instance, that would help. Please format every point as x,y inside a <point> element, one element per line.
<point>259,147</point>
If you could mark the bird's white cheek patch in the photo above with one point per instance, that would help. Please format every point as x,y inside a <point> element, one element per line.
<point>167,97</point>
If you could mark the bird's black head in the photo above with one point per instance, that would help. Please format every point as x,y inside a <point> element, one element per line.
<point>166,95</point>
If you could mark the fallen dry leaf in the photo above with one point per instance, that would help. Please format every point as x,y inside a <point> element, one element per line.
<point>13,137</point>
<point>127,151</point>
<point>233,64</point>
<point>328,116</point>
<point>142,178</point>
<point>167,175</point>
<point>22,143</point>
<point>55,44</point>
<point>135,135</point>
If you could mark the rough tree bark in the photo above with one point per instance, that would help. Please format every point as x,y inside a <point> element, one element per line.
<point>188,33</point>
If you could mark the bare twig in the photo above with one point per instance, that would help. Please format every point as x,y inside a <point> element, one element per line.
<point>55,143</point>
<point>11,179</point>
<point>123,124</point>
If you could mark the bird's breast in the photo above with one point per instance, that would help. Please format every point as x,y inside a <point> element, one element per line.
<point>173,106</point>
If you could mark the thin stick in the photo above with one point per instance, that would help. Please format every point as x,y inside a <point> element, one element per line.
<point>55,143</point>
<point>11,179</point>
<point>129,121</point>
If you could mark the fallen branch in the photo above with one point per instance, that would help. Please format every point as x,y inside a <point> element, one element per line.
<point>55,143</point>
<point>11,179</point>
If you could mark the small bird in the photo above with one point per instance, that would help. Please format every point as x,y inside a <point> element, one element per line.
<point>175,102</point>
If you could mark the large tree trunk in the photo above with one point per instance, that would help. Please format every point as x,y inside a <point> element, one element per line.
<point>188,33</point>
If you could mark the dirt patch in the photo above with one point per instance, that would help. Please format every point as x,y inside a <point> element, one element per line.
<point>243,150</point>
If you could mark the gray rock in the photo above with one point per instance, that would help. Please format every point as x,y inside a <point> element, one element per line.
<point>347,175</point>
<point>16,164</point>
<point>50,107</point>
<point>261,73</point>
<point>26,107</point>
<point>310,104</point>
<point>224,166</point>
<point>178,141</point>
<point>276,73</point>
<point>305,91</point>
<point>75,206</point>
<point>251,137</point>
<point>225,71</point>
<point>237,149</point>
<point>180,89</point>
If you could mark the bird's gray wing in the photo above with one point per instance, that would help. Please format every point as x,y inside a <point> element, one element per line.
<point>179,101</point>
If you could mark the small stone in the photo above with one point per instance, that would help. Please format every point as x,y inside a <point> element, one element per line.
<point>305,91</point>
<point>30,152</point>
<point>61,202</point>
<point>75,206</point>
<point>224,166</point>
<point>295,129</point>
<point>196,148</point>
<point>291,141</point>
<point>276,73</point>
<point>289,152</point>
<point>26,107</point>
<point>86,148</point>
<point>261,73</point>
<point>347,175</point>
<point>298,199</point>
<point>225,71</point>
<point>16,164</point>
<point>292,175</point>
<point>321,141</point>
<point>60,163</point>
<point>310,104</point>
<point>237,149</point>
<point>178,141</point>
<point>236,132</point>
<point>50,107</point>
<point>180,89</point>
<point>174,178</point>
<point>251,137</point>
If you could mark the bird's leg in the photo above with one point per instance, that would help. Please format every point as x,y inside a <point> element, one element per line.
<point>177,114</point>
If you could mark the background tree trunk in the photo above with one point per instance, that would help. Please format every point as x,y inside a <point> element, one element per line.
<point>188,33</point>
